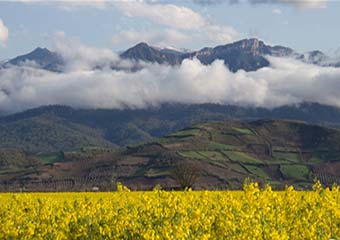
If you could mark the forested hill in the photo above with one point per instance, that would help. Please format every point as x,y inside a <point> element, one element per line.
<point>61,128</point>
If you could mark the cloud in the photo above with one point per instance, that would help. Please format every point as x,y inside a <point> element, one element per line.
<point>166,14</point>
<point>219,34</point>
<point>286,81</point>
<point>101,4</point>
<point>183,25</point>
<point>211,2</point>
<point>4,33</point>
<point>163,38</point>
<point>300,4</point>
<point>178,24</point>
<point>168,37</point>
<point>79,57</point>
<point>70,4</point>
<point>277,11</point>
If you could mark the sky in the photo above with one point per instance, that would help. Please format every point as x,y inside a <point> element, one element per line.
<point>303,25</point>
<point>88,34</point>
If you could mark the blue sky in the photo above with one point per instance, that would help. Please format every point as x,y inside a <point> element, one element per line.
<point>86,32</point>
<point>304,25</point>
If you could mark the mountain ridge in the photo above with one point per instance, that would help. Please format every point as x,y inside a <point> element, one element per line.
<point>103,127</point>
<point>246,54</point>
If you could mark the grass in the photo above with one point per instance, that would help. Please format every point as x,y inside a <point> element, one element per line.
<point>325,156</point>
<point>140,171</point>
<point>242,157</point>
<point>273,183</point>
<point>50,157</point>
<point>152,172</point>
<point>218,164</point>
<point>291,157</point>
<point>316,158</point>
<point>12,171</point>
<point>174,139</point>
<point>257,171</point>
<point>243,130</point>
<point>186,132</point>
<point>252,139</point>
<point>191,154</point>
<point>297,172</point>
<point>237,168</point>
<point>92,148</point>
<point>164,140</point>
<point>285,149</point>
<point>212,155</point>
<point>219,146</point>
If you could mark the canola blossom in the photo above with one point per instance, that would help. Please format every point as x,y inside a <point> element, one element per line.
<point>249,214</point>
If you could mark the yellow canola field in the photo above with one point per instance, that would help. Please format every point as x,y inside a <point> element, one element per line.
<point>249,214</point>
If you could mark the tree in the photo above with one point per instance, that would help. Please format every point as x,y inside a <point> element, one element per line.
<point>185,173</point>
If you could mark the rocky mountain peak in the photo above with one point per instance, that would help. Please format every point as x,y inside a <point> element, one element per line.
<point>252,45</point>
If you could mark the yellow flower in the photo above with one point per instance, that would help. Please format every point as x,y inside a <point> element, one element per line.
<point>253,213</point>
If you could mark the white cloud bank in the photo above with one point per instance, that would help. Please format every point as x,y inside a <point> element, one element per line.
<point>287,81</point>
<point>4,33</point>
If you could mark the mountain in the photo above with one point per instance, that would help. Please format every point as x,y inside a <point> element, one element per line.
<point>146,53</point>
<point>40,58</point>
<point>217,155</point>
<point>247,54</point>
<point>56,128</point>
<point>315,57</point>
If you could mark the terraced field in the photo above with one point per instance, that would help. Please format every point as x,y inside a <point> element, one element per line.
<point>222,154</point>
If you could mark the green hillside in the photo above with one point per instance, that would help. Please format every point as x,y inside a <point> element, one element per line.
<point>49,133</point>
<point>55,128</point>
<point>220,155</point>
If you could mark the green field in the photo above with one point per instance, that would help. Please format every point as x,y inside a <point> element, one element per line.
<point>243,130</point>
<point>294,171</point>
<point>241,157</point>
<point>291,157</point>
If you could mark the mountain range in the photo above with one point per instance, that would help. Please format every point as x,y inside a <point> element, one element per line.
<point>247,54</point>
<point>64,148</point>
<point>62,128</point>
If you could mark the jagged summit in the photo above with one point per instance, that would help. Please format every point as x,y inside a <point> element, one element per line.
<point>143,52</point>
<point>246,54</point>
<point>252,44</point>
<point>141,45</point>
<point>257,46</point>
<point>41,49</point>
